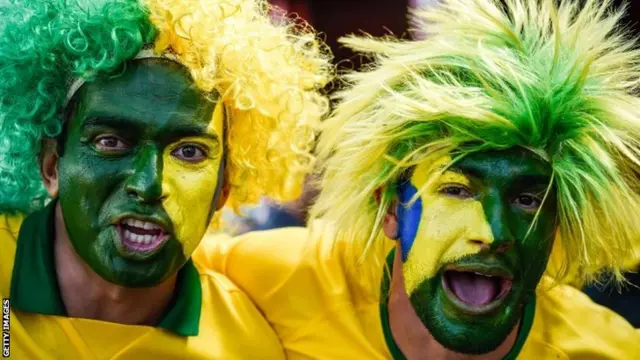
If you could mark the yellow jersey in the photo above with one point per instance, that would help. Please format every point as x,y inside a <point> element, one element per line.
<point>209,319</point>
<point>322,308</point>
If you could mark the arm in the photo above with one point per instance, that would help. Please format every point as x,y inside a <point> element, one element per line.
<point>268,266</point>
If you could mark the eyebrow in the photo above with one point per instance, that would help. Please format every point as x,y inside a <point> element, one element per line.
<point>531,180</point>
<point>193,131</point>
<point>453,169</point>
<point>111,122</point>
<point>521,177</point>
<point>107,121</point>
<point>123,123</point>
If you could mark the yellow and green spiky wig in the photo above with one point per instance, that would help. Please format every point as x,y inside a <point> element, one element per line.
<point>558,78</point>
<point>267,75</point>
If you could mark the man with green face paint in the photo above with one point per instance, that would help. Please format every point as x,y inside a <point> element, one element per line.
<point>125,126</point>
<point>451,171</point>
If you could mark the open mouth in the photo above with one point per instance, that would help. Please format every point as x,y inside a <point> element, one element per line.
<point>141,237</point>
<point>476,291</point>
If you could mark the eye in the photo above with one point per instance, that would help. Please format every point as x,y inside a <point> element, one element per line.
<point>110,143</point>
<point>527,202</point>
<point>190,152</point>
<point>457,191</point>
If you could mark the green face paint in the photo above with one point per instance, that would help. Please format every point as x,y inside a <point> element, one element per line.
<point>139,172</point>
<point>469,265</point>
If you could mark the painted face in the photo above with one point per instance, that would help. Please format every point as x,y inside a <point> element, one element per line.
<point>471,257</point>
<point>140,171</point>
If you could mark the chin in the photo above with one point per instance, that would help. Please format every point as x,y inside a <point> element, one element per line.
<point>133,279</point>
<point>466,327</point>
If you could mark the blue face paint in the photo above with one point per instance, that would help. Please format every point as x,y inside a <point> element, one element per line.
<point>408,217</point>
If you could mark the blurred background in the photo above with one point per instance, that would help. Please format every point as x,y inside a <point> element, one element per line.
<point>336,18</point>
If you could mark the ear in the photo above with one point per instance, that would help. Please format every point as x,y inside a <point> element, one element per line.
<point>49,166</point>
<point>224,193</point>
<point>390,220</point>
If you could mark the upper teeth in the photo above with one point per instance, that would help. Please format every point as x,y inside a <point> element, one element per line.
<point>142,224</point>
<point>486,275</point>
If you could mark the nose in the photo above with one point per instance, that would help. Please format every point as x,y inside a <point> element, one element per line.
<point>145,182</point>
<point>497,215</point>
<point>483,245</point>
<point>479,234</point>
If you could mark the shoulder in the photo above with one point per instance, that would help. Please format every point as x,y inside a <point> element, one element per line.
<point>567,320</point>
<point>221,295</point>
<point>10,225</point>
<point>9,230</point>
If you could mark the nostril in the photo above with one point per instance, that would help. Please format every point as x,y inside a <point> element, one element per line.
<point>503,247</point>
<point>483,245</point>
<point>132,192</point>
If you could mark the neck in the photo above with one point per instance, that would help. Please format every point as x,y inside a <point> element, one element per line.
<point>87,295</point>
<point>414,339</point>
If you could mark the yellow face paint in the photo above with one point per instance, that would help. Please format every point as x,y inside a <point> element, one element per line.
<point>449,228</point>
<point>188,188</point>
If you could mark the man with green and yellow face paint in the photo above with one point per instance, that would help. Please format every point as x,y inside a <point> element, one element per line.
<point>452,170</point>
<point>125,126</point>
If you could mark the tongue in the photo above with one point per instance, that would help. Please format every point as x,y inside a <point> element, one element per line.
<point>474,289</point>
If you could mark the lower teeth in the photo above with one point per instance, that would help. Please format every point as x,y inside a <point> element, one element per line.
<point>139,239</point>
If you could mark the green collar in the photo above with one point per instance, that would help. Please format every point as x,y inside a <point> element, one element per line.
<point>396,353</point>
<point>34,284</point>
